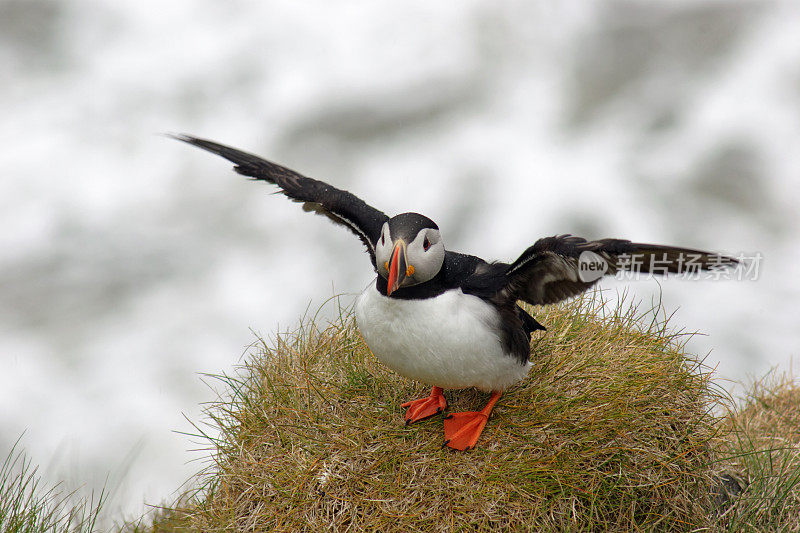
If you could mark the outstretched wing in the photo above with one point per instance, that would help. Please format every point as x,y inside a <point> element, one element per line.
<point>338,205</point>
<point>558,267</point>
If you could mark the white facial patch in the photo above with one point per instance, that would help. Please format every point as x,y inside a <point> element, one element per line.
<point>383,251</point>
<point>426,254</point>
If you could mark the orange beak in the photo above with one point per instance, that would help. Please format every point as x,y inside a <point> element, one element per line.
<point>398,268</point>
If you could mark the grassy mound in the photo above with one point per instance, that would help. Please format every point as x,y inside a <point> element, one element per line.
<point>611,430</point>
<point>615,429</point>
<point>763,445</point>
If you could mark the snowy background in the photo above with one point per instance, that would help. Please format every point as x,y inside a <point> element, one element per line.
<point>130,263</point>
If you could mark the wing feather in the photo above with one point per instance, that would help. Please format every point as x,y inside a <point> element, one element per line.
<point>550,270</point>
<point>316,196</point>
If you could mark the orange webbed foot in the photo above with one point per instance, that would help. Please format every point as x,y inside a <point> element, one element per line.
<point>462,430</point>
<point>425,407</point>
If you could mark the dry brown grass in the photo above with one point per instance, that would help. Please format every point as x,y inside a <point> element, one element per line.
<point>611,430</point>
<point>763,447</point>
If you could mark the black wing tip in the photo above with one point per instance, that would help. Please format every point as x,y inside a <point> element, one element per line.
<point>711,259</point>
<point>178,136</point>
<point>182,137</point>
<point>205,144</point>
<point>245,163</point>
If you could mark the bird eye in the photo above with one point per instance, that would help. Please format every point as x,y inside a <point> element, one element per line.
<point>426,244</point>
<point>383,239</point>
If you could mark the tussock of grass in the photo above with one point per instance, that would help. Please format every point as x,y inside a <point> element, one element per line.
<point>611,430</point>
<point>26,505</point>
<point>763,446</point>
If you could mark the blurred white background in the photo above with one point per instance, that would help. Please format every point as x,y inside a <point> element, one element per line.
<point>130,263</point>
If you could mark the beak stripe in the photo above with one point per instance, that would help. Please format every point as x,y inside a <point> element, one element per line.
<point>398,267</point>
<point>394,267</point>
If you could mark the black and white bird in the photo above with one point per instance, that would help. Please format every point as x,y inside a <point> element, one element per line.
<point>452,320</point>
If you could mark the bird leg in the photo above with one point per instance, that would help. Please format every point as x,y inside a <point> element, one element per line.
<point>425,407</point>
<point>461,430</point>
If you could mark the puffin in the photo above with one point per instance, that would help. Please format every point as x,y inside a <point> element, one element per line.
<point>453,320</point>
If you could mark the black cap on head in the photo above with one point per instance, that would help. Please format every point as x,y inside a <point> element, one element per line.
<point>406,226</point>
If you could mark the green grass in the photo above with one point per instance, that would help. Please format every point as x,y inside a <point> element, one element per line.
<point>763,446</point>
<point>29,506</point>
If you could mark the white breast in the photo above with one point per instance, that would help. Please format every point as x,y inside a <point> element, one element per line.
<point>449,341</point>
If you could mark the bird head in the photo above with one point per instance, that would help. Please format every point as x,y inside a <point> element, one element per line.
<point>409,251</point>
